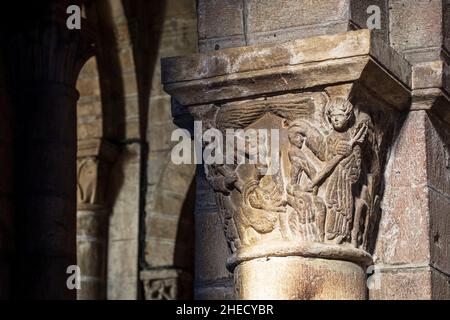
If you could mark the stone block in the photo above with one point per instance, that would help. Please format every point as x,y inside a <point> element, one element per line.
<point>220,18</point>
<point>159,252</point>
<point>221,43</point>
<point>90,69</point>
<point>403,235</point>
<point>162,226</point>
<point>360,16</point>
<point>404,284</point>
<point>124,225</point>
<point>440,283</point>
<point>268,20</point>
<point>428,75</point>
<point>122,274</point>
<point>446,4</point>
<point>157,160</point>
<point>160,136</point>
<point>177,178</point>
<point>440,231</point>
<point>300,64</point>
<point>438,155</point>
<point>408,153</point>
<point>416,26</point>
<point>167,202</point>
<point>126,59</point>
<point>179,36</point>
<point>160,109</point>
<point>88,86</point>
<point>126,289</point>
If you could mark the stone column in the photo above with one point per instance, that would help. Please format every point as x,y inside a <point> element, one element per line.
<point>307,229</point>
<point>95,158</point>
<point>44,59</point>
<point>413,244</point>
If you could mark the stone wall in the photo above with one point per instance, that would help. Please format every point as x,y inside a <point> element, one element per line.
<point>125,124</point>
<point>412,44</point>
<point>170,196</point>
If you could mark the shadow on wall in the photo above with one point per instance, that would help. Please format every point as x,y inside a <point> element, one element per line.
<point>184,242</point>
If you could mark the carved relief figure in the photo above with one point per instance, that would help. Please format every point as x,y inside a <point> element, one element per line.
<point>309,218</point>
<point>341,153</point>
<point>262,204</point>
<point>330,178</point>
<point>87,180</point>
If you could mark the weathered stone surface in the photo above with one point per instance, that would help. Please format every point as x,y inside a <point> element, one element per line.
<point>316,49</point>
<point>159,252</point>
<point>405,200</point>
<point>446,26</point>
<point>270,21</point>
<point>403,208</point>
<point>296,278</point>
<point>122,273</point>
<point>440,283</point>
<point>122,267</point>
<point>428,75</point>
<point>221,43</point>
<point>300,64</point>
<point>437,156</point>
<point>219,18</point>
<point>211,260</point>
<point>439,206</point>
<point>412,283</point>
<point>416,28</point>
<point>93,263</point>
<point>360,15</point>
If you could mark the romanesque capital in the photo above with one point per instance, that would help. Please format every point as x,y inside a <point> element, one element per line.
<point>94,161</point>
<point>334,103</point>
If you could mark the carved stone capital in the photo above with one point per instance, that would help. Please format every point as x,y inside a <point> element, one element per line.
<point>335,102</point>
<point>94,161</point>
<point>166,284</point>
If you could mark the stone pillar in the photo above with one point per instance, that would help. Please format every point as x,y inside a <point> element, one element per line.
<point>305,228</point>
<point>95,158</point>
<point>44,59</point>
<point>413,242</point>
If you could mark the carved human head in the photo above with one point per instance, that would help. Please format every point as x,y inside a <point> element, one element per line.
<point>296,135</point>
<point>339,111</point>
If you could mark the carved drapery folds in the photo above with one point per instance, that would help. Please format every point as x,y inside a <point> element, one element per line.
<point>335,102</point>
